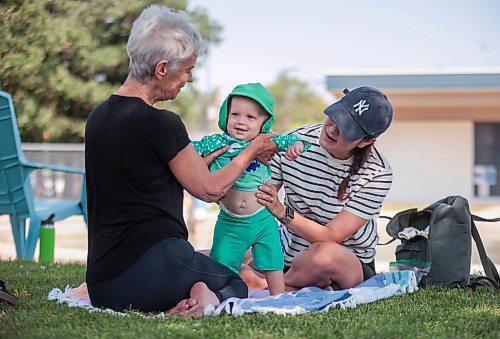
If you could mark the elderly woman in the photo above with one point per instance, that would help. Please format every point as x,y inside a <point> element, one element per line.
<point>139,159</point>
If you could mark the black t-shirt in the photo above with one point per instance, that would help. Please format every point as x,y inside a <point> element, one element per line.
<point>134,200</point>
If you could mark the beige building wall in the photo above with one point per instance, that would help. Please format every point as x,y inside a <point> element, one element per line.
<point>430,160</point>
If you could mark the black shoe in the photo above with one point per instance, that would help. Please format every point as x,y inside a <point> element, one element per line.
<point>6,298</point>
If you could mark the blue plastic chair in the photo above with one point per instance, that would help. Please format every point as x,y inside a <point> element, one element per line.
<point>16,194</point>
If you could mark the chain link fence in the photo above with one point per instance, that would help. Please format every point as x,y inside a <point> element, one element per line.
<point>51,184</point>
<point>48,184</point>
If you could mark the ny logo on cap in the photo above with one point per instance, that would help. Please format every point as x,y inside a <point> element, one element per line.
<point>362,106</point>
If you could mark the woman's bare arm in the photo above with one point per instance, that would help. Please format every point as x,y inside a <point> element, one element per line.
<point>192,172</point>
<point>344,225</point>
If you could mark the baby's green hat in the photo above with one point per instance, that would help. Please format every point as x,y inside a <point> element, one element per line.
<point>253,91</point>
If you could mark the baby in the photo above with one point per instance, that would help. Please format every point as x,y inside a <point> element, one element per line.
<point>243,222</point>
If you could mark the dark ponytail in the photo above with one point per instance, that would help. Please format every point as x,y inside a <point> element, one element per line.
<point>360,155</point>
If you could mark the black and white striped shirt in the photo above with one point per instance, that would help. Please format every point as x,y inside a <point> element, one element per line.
<point>311,184</point>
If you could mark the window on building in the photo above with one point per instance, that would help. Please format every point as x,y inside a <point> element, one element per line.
<point>487,160</point>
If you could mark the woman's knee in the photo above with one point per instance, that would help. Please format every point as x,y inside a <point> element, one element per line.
<point>326,255</point>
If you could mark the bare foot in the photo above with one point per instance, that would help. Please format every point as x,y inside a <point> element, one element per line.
<point>201,296</point>
<point>181,306</point>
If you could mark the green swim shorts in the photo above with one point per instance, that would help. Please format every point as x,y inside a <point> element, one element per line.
<point>233,235</point>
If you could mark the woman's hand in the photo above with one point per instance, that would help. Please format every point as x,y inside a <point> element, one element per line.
<point>268,197</point>
<point>211,157</point>
<point>264,147</point>
<point>210,187</point>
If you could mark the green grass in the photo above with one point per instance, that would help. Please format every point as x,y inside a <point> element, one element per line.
<point>427,313</point>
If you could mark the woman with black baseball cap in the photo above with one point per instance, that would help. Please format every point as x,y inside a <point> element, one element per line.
<point>334,193</point>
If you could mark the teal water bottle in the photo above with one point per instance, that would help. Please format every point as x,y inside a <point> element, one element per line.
<point>47,243</point>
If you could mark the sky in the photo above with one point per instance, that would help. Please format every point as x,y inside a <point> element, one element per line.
<point>311,39</point>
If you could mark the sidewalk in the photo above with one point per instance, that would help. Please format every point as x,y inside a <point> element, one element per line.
<point>71,239</point>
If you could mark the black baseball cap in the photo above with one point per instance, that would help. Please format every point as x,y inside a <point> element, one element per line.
<point>362,112</point>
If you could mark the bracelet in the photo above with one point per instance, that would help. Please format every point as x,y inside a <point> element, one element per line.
<point>289,215</point>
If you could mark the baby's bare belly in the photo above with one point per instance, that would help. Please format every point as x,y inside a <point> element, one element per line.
<point>241,202</point>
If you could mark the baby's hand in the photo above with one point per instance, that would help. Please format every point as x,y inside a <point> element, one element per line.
<point>294,151</point>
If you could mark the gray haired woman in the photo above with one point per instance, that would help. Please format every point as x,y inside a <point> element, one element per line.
<point>139,160</point>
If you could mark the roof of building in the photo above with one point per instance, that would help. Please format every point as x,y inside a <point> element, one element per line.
<point>415,79</point>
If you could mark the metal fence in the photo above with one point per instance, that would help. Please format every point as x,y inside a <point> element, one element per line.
<point>52,184</point>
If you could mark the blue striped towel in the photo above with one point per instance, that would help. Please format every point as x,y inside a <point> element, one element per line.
<point>313,299</point>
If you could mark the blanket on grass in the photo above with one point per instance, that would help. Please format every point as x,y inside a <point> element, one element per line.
<point>306,300</point>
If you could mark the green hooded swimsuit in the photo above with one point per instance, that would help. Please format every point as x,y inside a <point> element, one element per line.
<point>256,172</point>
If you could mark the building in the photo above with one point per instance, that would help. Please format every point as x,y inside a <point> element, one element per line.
<point>445,136</point>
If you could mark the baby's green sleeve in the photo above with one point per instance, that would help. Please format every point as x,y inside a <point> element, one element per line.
<point>284,141</point>
<point>208,144</point>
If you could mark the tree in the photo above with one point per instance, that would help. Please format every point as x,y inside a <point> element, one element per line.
<point>295,103</point>
<point>60,58</point>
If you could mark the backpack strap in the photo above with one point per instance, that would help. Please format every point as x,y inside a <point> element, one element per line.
<point>478,218</point>
<point>386,243</point>
<point>389,218</point>
<point>481,281</point>
<point>489,267</point>
<point>402,219</point>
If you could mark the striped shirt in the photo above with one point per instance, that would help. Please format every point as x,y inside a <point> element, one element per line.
<point>311,184</point>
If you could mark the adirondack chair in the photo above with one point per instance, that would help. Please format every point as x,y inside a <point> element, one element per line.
<point>16,193</point>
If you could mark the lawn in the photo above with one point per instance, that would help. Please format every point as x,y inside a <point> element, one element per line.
<point>426,313</point>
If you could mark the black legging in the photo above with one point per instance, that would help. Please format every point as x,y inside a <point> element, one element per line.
<point>163,276</point>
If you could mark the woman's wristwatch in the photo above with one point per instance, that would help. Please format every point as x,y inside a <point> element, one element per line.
<point>289,214</point>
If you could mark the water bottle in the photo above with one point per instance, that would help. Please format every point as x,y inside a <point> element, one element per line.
<point>47,243</point>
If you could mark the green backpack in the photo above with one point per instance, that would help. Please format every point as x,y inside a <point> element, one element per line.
<point>437,241</point>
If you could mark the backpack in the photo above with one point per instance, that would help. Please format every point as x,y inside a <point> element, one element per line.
<point>437,242</point>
